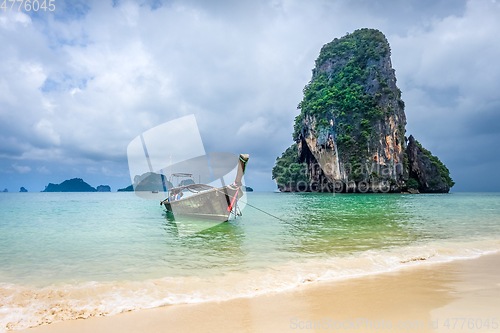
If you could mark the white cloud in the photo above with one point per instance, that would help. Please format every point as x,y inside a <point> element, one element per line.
<point>92,170</point>
<point>11,19</point>
<point>46,132</point>
<point>21,168</point>
<point>43,170</point>
<point>257,128</point>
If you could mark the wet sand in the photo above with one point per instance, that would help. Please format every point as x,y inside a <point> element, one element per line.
<point>419,298</point>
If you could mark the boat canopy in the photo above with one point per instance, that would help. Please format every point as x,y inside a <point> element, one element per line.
<point>182,175</point>
<point>194,188</point>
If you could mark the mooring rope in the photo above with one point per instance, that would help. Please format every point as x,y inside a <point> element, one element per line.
<point>263,211</point>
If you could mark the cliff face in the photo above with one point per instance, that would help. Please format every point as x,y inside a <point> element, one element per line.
<point>350,133</point>
<point>431,175</point>
<point>352,122</point>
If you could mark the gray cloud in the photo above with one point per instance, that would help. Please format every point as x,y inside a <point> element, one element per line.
<point>447,73</point>
<point>78,85</point>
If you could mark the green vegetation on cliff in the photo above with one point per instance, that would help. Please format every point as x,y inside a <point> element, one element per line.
<point>288,170</point>
<point>338,94</point>
<point>412,183</point>
<point>351,125</point>
<point>442,169</point>
<point>342,93</point>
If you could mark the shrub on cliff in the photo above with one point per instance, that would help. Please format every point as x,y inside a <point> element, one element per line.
<point>288,171</point>
<point>342,92</point>
<point>443,170</point>
<point>412,183</point>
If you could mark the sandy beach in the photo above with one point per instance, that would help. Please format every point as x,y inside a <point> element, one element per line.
<point>458,296</point>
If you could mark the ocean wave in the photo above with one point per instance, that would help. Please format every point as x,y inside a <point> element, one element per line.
<point>22,306</point>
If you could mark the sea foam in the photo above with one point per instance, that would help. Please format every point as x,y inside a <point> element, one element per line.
<point>23,306</point>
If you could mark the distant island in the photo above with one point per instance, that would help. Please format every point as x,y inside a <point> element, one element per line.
<point>150,181</point>
<point>103,188</point>
<point>22,189</point>
<point>75,185</point>
<point>350,134</point>
<point>5,191</point>
<point>129,188</point>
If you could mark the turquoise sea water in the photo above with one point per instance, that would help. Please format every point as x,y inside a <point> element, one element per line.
<point>86,254</point>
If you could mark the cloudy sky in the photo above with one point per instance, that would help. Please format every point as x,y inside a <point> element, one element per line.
<point>78,84</point>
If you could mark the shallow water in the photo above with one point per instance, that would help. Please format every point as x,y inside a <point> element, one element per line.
<point>72,255</point>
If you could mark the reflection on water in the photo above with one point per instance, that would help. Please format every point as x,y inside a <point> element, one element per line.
<point>184,226</point>
<point>207,244</point>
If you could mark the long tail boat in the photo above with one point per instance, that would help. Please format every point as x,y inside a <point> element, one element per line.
<point>205,201</point>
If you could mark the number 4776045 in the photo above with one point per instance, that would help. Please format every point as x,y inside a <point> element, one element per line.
<point>29,5</point>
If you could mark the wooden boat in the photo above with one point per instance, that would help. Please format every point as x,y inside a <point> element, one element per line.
<point>206,202</point>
